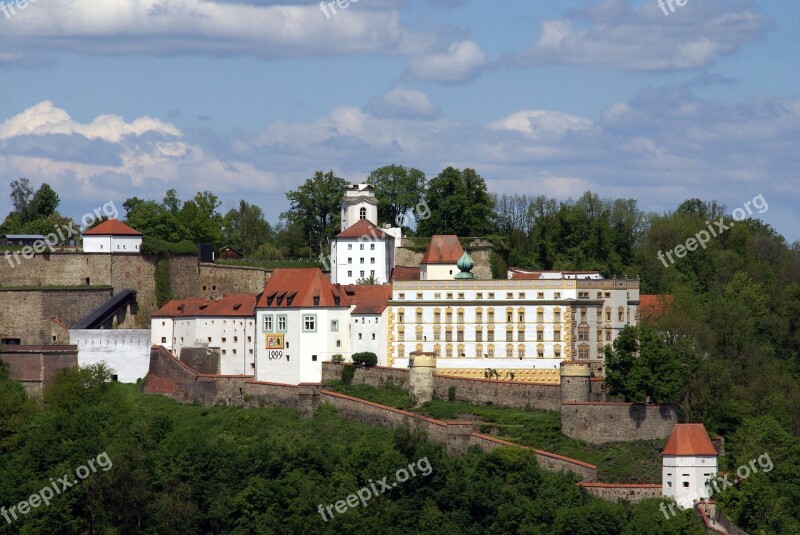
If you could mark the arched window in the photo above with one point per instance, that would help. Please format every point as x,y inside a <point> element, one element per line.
<point>362,213</point>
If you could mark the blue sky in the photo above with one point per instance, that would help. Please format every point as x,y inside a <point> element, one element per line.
<point>111,99</point>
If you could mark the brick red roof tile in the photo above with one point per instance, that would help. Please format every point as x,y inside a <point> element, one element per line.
<point>368,299</point>
<point>443,249</point>
<point>364,229</point>
<point>230,305</point>
<point>689,440</point>
<point>301,288</point>
<point>403,273</point>
<point>112,227</point>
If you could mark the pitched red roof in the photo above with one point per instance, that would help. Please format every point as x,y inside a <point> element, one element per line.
<point>517,273</point>
<point>403,273</point>
<point>368,299</point>
<point>443,249</point>
<point>300,288</point>
<point>653,306</point>
<point>112,227</point>
<point>237,305</point>
<point>689,440</point>
<point>364,229</point>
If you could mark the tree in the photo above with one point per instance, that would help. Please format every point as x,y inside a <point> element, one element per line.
<point>21,195</point>
<point>459,204</point>
<point>171,202</point>
<point>202,220</point>
<point>245,228</point>
<point>315,206</point>
<point>153,219</point>
<point>398,190</point>
<point>367,281</point>
<point>365,358</point>
<point>44,202</point>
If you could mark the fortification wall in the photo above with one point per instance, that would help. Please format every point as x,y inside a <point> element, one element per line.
<point>27,314</point>
<point>501,393</point>
<point>598,423</point>
<point>377,376</point>
<point>127,351</point>
<point>232,279</point>
<point>632,493</point>
<point>36,366</point>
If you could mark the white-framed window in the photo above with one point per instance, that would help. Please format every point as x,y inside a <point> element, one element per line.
<point>268,323</point>
<point>281,323</point>
<point>335,326</point>
<point>349,246</point>
<point>309,323</point>
<point>371,246</point>
<point>349,273</point>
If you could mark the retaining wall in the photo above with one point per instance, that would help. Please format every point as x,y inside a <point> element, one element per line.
<point>598,423</point>
<point>633,493</point>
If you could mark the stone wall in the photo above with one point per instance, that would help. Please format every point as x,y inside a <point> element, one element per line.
<point>501,393</point>
<point>377,376</point>
<point>201,359</point>
<point>598,423</point>
<point>633,493</point>
<point>37,366</point>
<point>232,279</point>
<point>28,314</point>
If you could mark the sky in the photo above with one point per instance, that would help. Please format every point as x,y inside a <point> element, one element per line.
<point>110,99</point>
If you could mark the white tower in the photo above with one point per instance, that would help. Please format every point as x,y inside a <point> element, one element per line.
<point>689,461</point>
<point>358,203</point>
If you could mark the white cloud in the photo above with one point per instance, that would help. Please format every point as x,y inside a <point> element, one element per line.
<point>461,61</point>
<point>543,124</point>
<point>613,34</point>
<point>405,103</point>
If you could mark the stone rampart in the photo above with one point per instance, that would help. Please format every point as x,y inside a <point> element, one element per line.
<point>598,423</point>
<point>37,366</point>
<point>501,393</point>
<point>612,492</point>
<point>232,279</point>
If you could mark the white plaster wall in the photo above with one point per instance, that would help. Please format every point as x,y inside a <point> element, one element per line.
<point>693,470</point>
<point>127,351</point>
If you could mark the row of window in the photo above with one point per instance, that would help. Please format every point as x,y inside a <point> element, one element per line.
<point>478,295</point>
<point>371,246</point>
<point>448,335</point>
<point>371,260</point>
<point>361,273</point>
<point>490,316</point>
<point>459,351</point>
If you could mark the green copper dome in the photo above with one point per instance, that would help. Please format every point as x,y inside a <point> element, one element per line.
<point>465,264</point>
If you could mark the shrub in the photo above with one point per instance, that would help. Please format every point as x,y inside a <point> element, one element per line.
<point>151,245</point>
<point>338,358</point>
<point>366,358</point>
<point>348,372</point>
<point>451,393</point>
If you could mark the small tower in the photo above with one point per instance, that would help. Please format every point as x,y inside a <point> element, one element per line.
<point>422,366</point>
<point>575,385</point>
<point>689,461</point>
<point>359,203</point>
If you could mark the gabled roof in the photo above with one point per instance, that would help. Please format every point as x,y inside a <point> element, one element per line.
<point>230,305</point>
<point>112,227</point>
<point>689,440</point>
<point>403,273</point>
<point>364,228</point>
<point>300,288</point>
<point>443,249</point>
<point>368,299</point>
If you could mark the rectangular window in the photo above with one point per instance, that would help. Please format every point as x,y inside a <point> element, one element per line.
<point>313,358</point>
<point>449,295</point>
<point>521,335</point>
<point>540,317</point>
<point>490,335</point>
<point>361,273</point>
<point>448,336</point>
<point>479,335</point>
<point>372,260</point>
<point>540,335</point>
<point>509,295</point>
<point>419,317</point>
<point>460,317</point>
<point>282,324</point>
<point>490,352</point>
<point>510,352</point>
<point>362,260</point>
<point>338,343</point>
<point>479,317</point>
<point>449,352</point>
<point>401,317</point>
<point>491,295</point>
<point>349,246</point>
<point>419,296</point>
<point>557,336</point>
<point>349,260</point>
<point>608,336</point>
<point>491,317</point>
<point>437,335</point>
<point>372,272</point>
<point>309,323</point>
<point>268,324</point>
<point>448,317</point>
<point>460,336</point>
<point>437,317</point>
<point>509,317</point>
<point>437,295</point>
<point>335,326</point>
<point>349,273</point>
<point>557,316</point>
<point>401,295</point>
<point>461,295</point>
<point>479,295</point>
<point>371,246</point>
<point>509,336</point>
<point>557,295</point>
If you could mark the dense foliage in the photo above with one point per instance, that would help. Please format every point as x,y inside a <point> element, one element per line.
<point>185,470</point>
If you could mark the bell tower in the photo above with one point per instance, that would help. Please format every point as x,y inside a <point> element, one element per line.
<point>358,203</point>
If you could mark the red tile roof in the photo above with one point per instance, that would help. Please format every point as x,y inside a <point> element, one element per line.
<point>443,249</point>
<point>112,227</point>
<point>237,305</point>
<point>520,274</point>
<point>363,228</point>
<point>403,273</point>
<point>368,299</point>
<point>653,306</point>
<point>300,288</point>
<point>689,440</point>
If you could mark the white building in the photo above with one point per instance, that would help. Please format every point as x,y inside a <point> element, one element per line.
<point>440,258</point>
<point>369,325</point>
<point>689,462</point>
<point>362,250</point>
<point>219,321</point>
<point>524,323</point>
<point>302,320</point>
<point>112,236</point>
